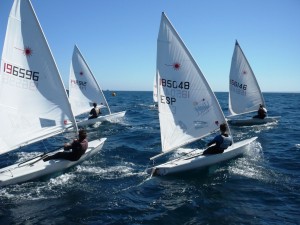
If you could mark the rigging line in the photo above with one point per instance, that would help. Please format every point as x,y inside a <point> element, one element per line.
<point>163,153</point>
<point>42,155</point>
<point>44,145</point>
<point>182,156</point>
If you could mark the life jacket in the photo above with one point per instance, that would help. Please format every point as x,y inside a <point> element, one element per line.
<point>227,141</point>
<point>97,111</point>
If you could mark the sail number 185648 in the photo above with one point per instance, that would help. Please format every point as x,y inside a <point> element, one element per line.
<point>175,84</point>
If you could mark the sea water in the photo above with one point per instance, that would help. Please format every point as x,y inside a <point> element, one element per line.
<point>262,187</point>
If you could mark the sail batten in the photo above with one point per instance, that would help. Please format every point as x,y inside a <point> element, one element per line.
<point>38,105</point>
<point>244,92</point>
<point>84,90</point>
<point>188,109</point>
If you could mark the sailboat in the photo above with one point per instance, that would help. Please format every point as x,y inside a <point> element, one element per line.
<point>245,95</point>
<point>188,108</point>
<point>155,91</point>
<point>84,90</point>
<point>33,102</point>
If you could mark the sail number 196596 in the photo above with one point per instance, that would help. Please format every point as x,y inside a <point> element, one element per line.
<point>20,72</point>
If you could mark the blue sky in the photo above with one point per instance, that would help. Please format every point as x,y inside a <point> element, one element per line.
<point>118,38</point>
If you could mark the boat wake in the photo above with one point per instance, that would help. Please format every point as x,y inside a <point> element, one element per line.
<point>254,166</point>
<point>249,165</point>
<point>62,180</point>
<point>112,172</point>
<point>34,190</point>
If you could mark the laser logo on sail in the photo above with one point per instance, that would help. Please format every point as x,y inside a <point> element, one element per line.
<point>201,107</point>
<point>27,51</point>
<point>176,66</point>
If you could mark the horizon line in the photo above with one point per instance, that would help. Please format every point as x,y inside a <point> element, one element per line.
<point>278,92</point>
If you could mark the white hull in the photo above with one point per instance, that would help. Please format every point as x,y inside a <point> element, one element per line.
<point>109,117</point>
<point>252,121</point>
<point>200,161</point>
<point>35,168</point>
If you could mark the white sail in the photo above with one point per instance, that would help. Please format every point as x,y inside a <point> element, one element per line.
<point>155,89</point>
<point>83,87</point>
<point>244,92</point>
<point>188,109</point>
<point>33,101</point>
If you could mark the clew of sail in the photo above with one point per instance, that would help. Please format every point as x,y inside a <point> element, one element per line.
<point>188,108</point>
<point>244,92</point>
<point>83,87</point>
<point>33,100</point>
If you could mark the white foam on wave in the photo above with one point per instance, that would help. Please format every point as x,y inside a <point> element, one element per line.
<point>152,106</point>
<point>116,120</point>
<point>97,124</point>
<point>62,180</point>
<point>254,150</point>
<point>25,192</point>
<point>146,105</point>
<point>249,164</point>
<point>38,189</point>
<point>4,192</point>
<point>111,172</point>
<point>252,165</point>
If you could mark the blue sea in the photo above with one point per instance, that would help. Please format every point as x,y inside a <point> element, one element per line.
<point>261,187</point>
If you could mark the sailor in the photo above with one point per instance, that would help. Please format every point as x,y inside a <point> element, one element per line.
<point>261,113</point>
<point>94,113</point>
<point>77,147</point>
<point>221,141</point>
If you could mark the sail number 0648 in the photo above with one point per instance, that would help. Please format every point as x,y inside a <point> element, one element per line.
<point>175,84</point>
<point>20,72</point>
<point>238,85</point>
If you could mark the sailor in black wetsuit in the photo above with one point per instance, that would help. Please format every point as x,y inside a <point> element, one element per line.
<point>94,113</point>
<point>261,113</point>
<point>77,147</point>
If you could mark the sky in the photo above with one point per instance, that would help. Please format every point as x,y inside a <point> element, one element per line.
<point>118,38</point>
